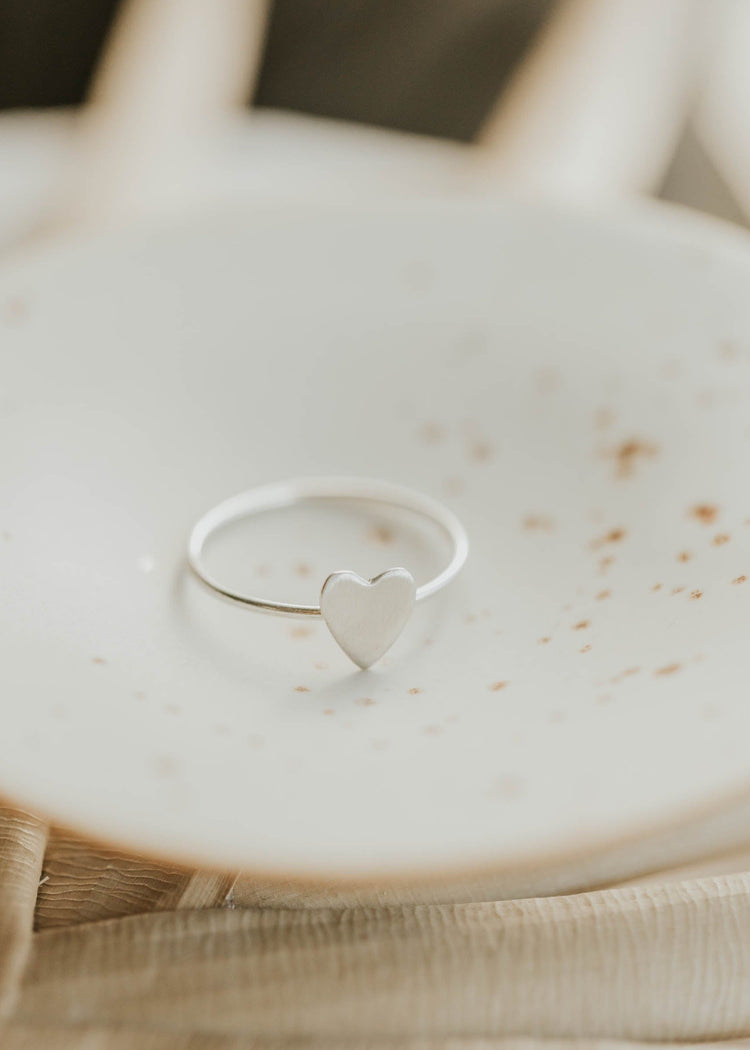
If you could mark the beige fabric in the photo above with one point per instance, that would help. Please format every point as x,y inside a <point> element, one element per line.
<point>85,882</point>
<point>22,842</point>
<point>667,961</point>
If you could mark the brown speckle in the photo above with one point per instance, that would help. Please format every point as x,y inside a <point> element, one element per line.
<point>414,691</point>
<point>629,453</point>
<point>615,535</point>
<point>139,695</point>
<point>473,344</point>
<point>538,523</point>
<point>604,698</point>
<point>545,640</point>
<point>303,569</point>
<point>603,418</point>
<point>382,534</point>
<point>329,711</point>
<point>627,673</point>
<point>739,579</point>
<point>677,590</point>
<point>431,433</point>
<point>671,369</point>
<point>720,539</point>
<point>684,556</point>
<point>255,741</point>
<point>586,649</point>
<point>300,632</point>
<point>656,587</point>
<point>705,513</point>
<point>497,687</point>
<point>581,625</point>
<point>454,486</point>
<point>99,661</point>
<point>695,595</point>
<point>603,595</point>
<point>548,380</point>
<point>706,398</point>
<point>728,351</point>
<point>16,309</point>
<point>164,766</point>
<point>667,670</point>
<point>432,730</point>
<point>507,787</point>
<point>301,689</point>
<point>480,451</point>
<point>365,701</point>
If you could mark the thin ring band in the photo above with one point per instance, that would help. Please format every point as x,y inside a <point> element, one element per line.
<point>283,494</point>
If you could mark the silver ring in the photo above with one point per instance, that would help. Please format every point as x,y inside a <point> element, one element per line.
<point>364,616</point>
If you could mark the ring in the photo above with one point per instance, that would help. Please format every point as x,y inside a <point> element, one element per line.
<point>365,617</point>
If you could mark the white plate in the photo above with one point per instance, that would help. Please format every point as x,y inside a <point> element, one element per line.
<point>573,387</point>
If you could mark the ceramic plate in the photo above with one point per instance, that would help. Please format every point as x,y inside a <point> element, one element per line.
<point>575,388</point>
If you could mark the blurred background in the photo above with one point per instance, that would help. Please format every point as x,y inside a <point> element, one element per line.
<point>111,108</point>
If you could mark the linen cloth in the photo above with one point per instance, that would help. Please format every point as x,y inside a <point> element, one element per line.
<point>187,965</point>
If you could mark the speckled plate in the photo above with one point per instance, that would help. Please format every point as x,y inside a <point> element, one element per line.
<point>575,388</point>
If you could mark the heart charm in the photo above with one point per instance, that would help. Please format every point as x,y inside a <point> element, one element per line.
<point>367,616</point>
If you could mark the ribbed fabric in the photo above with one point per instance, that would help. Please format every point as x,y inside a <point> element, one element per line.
<point>186,967</point>
<point>22,842</point>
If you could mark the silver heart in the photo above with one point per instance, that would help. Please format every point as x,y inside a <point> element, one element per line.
<point>367,616</point>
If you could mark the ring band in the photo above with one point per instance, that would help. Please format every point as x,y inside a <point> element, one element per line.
<point>364,616</point>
